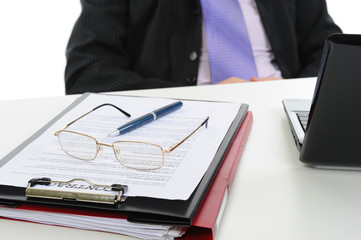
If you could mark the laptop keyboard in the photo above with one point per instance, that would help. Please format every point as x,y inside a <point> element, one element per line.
<point>303,118</point>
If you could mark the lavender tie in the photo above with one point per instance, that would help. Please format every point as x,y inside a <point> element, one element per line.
<point>229,48</point>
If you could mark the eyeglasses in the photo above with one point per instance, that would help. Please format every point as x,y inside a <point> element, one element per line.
<point>131,154</point>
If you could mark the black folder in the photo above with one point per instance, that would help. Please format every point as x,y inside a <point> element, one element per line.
<point>138,209</point>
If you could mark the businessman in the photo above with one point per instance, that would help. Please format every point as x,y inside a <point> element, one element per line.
<point>122,45</point>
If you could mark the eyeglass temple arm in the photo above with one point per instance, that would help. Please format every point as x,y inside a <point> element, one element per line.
<point>102,105</point>
<point>205,122</point>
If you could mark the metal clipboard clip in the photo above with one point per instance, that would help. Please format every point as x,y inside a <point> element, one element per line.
<point>42,192</point>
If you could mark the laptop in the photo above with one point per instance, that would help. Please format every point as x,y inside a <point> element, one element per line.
<point>327,129</point>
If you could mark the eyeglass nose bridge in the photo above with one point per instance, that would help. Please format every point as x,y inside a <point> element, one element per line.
<point>100,147</point>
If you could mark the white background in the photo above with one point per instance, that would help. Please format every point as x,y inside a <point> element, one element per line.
<point>34,35</point>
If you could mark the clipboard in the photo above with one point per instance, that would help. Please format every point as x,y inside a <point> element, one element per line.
<point>138,209</point>
<point>206,221</point>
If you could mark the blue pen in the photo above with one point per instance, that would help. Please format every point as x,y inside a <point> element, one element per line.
<point>146,118</point>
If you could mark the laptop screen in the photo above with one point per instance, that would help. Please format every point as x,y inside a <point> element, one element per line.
<point>334,126</point>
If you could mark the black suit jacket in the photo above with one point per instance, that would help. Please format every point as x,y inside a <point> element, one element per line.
<point>136,44</point>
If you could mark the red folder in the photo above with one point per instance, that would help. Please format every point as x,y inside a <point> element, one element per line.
<point>204,224</point>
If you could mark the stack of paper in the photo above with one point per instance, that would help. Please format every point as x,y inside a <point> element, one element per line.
<point>89,220</point>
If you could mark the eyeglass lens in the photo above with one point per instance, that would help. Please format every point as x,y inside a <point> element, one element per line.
<point>78,145</point>
<point>138,155</point>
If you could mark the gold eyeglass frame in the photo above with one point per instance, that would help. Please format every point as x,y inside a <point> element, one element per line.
<point>99,145</point>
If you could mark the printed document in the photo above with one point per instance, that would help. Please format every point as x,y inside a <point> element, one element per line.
<point>183,168</point>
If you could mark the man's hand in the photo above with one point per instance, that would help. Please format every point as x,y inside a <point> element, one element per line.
<point>253,79</point>
<point>232,80</point>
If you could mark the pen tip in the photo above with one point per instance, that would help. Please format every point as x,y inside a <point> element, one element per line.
<point>112,134</point>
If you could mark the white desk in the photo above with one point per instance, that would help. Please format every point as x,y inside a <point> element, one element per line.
<point>273,196</point>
